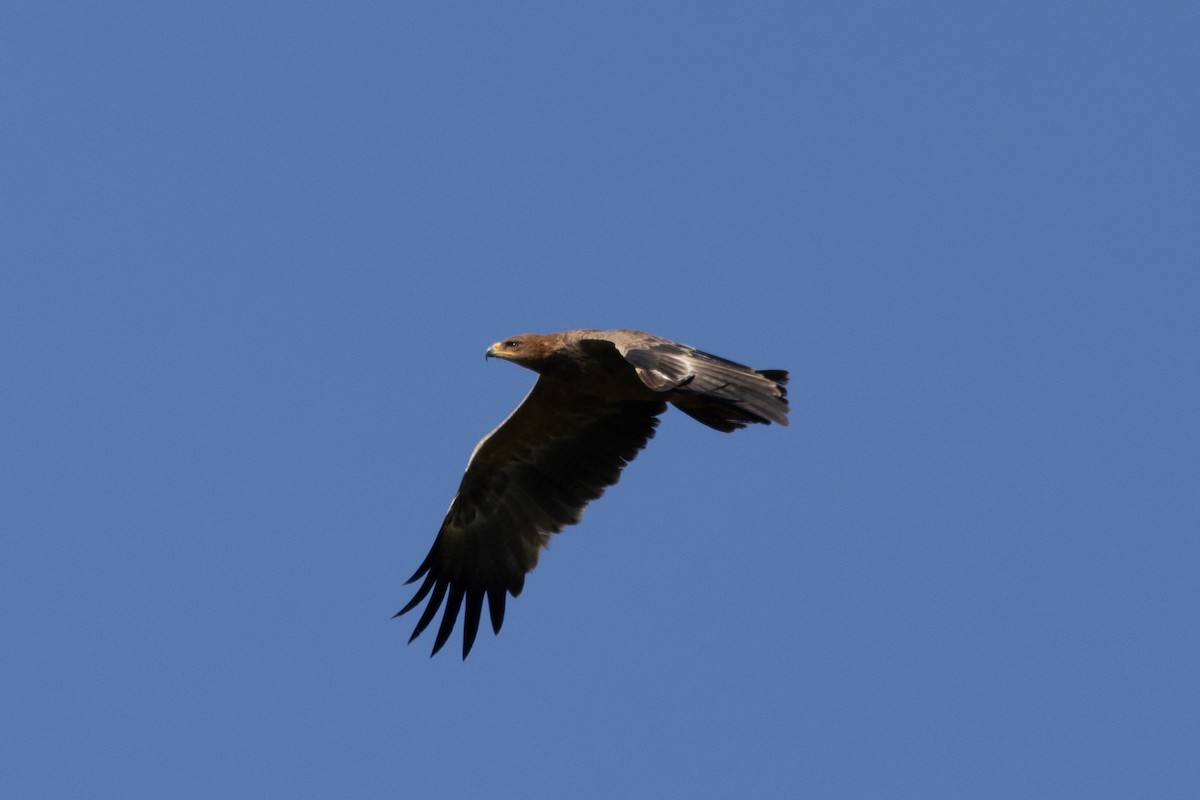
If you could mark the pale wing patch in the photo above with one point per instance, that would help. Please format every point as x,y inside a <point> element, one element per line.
<point>661,371</point>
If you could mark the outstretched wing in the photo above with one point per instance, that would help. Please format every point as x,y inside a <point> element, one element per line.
<point>720,393</point>
<point>526,480</point>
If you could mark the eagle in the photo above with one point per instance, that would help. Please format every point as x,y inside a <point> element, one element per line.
<point>595,404</point>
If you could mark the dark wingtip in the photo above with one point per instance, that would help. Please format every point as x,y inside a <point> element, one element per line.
<point>419,596</point>
<point>780,377</point>
<point>474,609</point>
<point>455,599</point>
<point>449,617</point>
<point>435,602</point>
<point>496,598</point>
<point>425,565</point>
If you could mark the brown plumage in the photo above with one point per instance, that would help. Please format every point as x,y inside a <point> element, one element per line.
<point>595,404</point>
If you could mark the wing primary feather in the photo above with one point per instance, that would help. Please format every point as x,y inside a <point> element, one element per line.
<point>453,604</point>
<point>474,610</point>
<point>496,597</point>
<point>435,601</point>
<point>421,570</point>
<point>780,376</point>
<point>430,579</point>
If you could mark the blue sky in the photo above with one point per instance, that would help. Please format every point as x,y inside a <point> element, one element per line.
<point>252,255</point>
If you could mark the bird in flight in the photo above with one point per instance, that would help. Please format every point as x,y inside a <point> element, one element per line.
<point>595,404</point>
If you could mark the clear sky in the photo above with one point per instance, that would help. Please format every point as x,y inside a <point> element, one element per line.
<point>251,255</point>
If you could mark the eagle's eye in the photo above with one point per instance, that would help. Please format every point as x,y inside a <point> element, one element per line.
<point>511,344</point>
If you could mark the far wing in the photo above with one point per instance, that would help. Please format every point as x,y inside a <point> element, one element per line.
<point>525,481</point>
<point>720,393</point>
